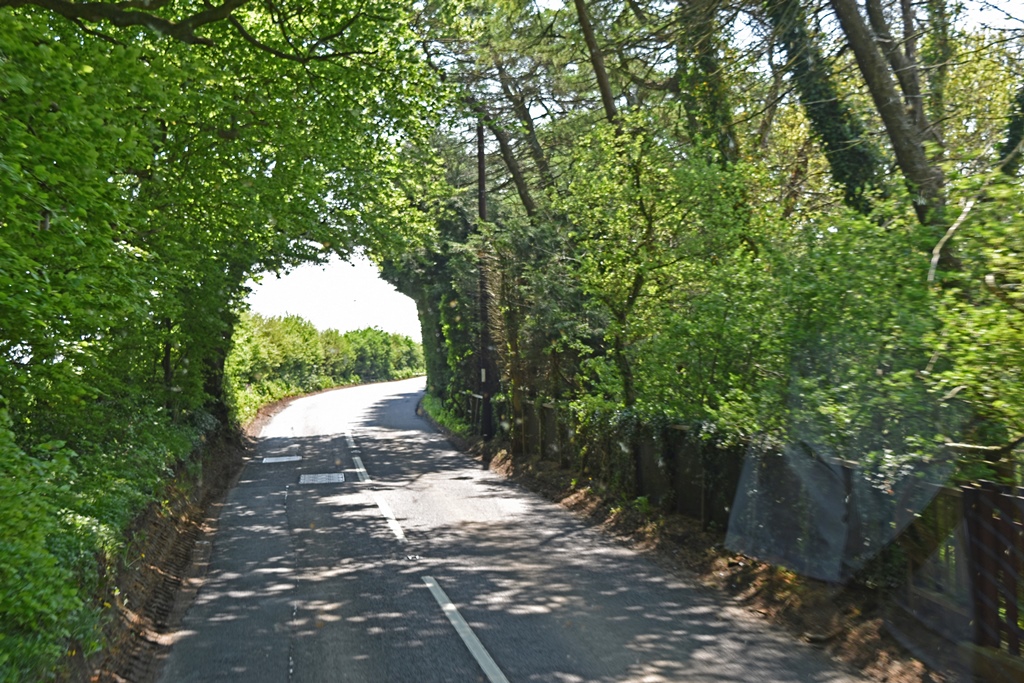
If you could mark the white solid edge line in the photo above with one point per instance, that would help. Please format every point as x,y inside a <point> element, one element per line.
<point>473,644</point>
<point>360,470</point>
<point>385,510</point>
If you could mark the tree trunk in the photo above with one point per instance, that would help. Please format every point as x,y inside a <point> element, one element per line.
<point>1010,150</point>
<point>925,181</point>
<point>937,59</point>
<point>704,90</point>
<point>522,112</point>
<point>853,160</point>
<point>597,62</point>
<point>166,364</point>
<point>507,155</point>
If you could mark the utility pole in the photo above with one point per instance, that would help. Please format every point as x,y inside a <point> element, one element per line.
<point>486,418</point>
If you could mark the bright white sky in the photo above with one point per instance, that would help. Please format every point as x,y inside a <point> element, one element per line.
<point>341,295</point>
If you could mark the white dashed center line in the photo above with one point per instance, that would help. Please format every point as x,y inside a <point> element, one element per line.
<point>382,504</point>
<point>385,510</point>
<point>360,470</point>
<point>281,458</point>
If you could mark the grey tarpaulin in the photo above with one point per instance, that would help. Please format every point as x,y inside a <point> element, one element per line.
<point>823,517</point>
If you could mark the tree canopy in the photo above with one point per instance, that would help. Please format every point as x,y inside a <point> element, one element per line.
<point>772,220</point>
<point>776,221</point>
<point>154,157</point>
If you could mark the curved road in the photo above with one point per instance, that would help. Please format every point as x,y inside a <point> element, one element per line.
<point>421,566</point>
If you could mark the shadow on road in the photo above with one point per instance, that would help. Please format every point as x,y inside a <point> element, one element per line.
<point>551,599</point>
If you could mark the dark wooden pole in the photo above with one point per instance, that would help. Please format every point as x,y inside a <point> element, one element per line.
<point>486,418</point>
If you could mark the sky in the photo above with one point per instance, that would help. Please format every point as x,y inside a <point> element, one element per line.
<point>340,295</point>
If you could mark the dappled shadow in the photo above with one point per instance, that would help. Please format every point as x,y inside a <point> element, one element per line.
<point>557,588</point>
<point>550,599</point>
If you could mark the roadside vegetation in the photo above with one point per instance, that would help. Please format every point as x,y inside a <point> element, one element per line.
<point>276,357</point>
<point>759,262</point>
<point>734,230</point>
<point>145,176</point>
<point>445,418</point>
<point>792,228</point>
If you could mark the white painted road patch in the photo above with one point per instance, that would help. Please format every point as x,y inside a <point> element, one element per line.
<point>281,458</point>
<point>327,478</point>
<point>476,648</point>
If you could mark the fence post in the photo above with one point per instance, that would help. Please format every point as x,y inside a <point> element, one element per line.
<point>984,586</point>
<point>1008,535</point>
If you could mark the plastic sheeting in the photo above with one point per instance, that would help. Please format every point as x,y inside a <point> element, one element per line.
<point>821,517</point>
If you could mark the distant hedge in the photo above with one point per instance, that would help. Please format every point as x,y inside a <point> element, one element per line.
<point>274,357</point>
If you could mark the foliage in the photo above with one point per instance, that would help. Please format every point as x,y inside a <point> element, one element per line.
<point>143,181</point>
<point>38,601</point>
<point>858,334</point>
<point>647,270</point>
<point>979,349</point>
<point>684,251</point>
<point>443,279</point>
<point>433,406</point>
<point>273,358</point>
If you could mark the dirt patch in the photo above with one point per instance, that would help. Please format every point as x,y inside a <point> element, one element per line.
<point>846,621</point>
<point>167,557</point>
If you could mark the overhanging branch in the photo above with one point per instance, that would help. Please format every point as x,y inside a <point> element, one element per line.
<point>126,15</point>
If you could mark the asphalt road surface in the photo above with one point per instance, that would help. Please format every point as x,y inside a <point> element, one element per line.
<point>421,566</point>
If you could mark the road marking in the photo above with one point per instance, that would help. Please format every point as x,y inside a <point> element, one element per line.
<point>282,458</point>
<point>360,470</point>
<point>326,478</point>
<point>348,438</point>
<point>382,504</point>
<point>476,648</point>
<point>385,510</point>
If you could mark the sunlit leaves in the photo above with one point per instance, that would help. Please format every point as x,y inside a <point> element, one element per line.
<point>980,348</point>
<point>142,182</point>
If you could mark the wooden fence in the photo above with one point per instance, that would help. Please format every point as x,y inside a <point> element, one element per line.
<point>970,586</point>
<point>965,550</point>
<point>995,529</point>
<point>670,466</point>
<point>938,588</point>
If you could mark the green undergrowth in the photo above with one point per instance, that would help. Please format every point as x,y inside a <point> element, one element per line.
<point>434,407</point>
<point>69,500</point>
<point>66,519</point>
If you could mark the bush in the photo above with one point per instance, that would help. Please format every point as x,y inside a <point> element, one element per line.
<point>38,599</point>
<point>434,407</point>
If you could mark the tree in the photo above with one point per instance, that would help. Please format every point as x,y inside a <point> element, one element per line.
<point>883,62</point>
<point>142,182</point>
<point>852,158</point>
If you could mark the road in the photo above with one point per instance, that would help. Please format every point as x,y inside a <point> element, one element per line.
<point>421,566</point>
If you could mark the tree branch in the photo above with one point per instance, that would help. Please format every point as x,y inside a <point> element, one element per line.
<point>290,56</point>
<point>994,450</point>
<point>125,15</point>
<point>507,155</point>
<point>924,180</point>
<point>597,61</point>
<point>937,251</point>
